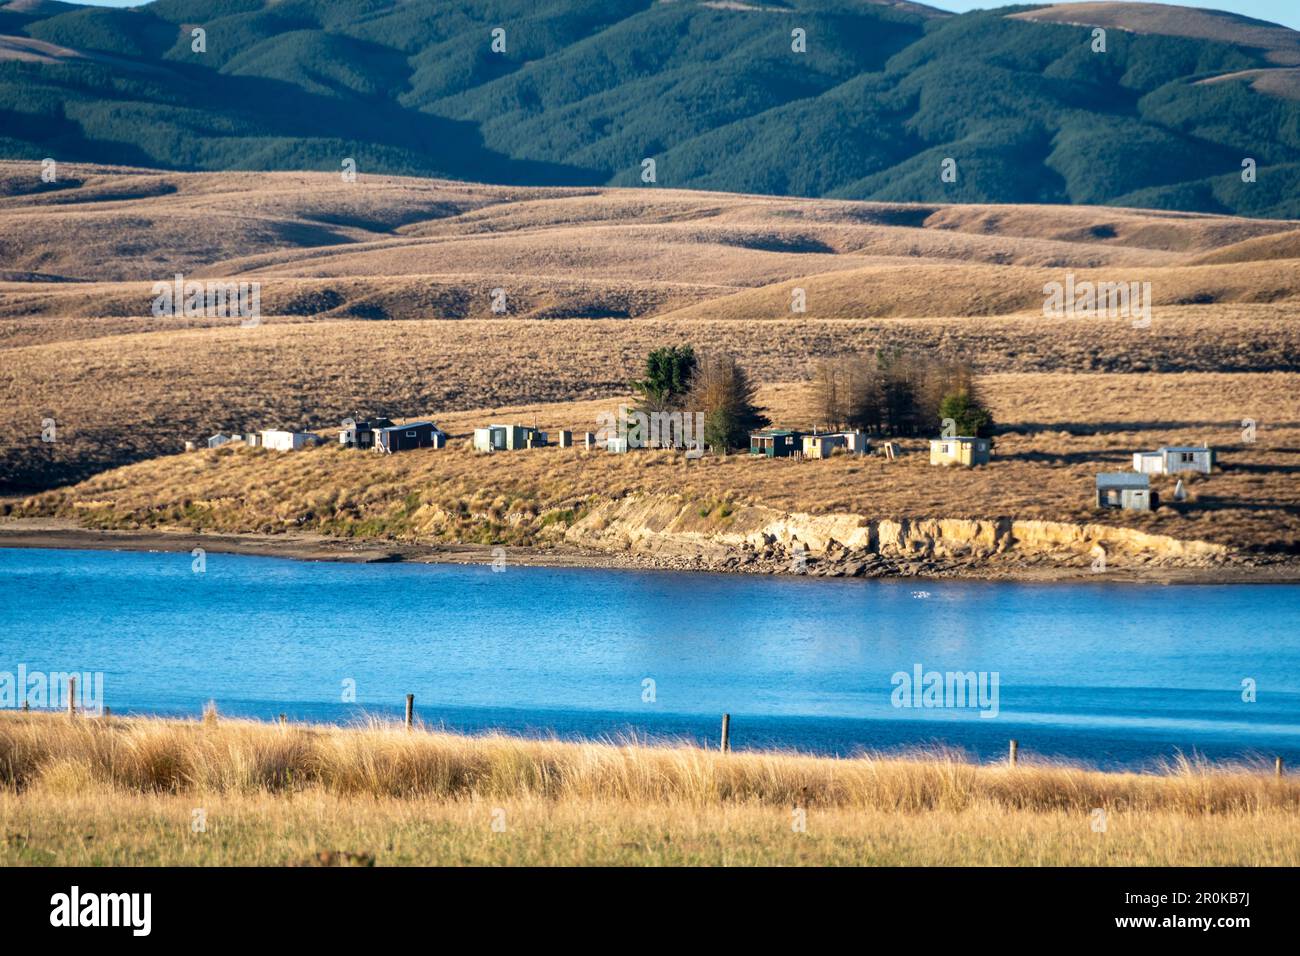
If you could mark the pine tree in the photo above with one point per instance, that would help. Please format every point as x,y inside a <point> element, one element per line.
<point>724,393</point>
<point>668,375</point>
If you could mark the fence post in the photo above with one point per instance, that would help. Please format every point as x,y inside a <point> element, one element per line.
<point>410,711</point>
<point>1277,766</point>
<point>72,697</point>
<point>1015,747</point>
<point>726,733</point>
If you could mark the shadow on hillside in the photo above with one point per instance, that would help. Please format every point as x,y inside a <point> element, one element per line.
<point>796,244</point>
<point>1068,458</point>
<point>390,220</point>
<point>1098,428</point>
<point>1254,468</point>
<point>61,137</point>
<point>1219,503</point>
<point>265,123</point>
<point>454,147</point>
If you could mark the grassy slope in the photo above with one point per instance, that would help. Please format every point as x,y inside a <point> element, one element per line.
<point>389,314</point>
<point>376,299</point>
<point>123,792</point>
<point>582,94</point>
<point>1068,427</point>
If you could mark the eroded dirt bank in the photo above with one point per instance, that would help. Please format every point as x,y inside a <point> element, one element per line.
<point>677,533</point>
<point>670,533</point>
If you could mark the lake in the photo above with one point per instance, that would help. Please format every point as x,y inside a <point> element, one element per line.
<point>1111,675</point>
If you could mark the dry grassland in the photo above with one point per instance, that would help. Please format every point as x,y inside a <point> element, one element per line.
<point>376,301</point>
<point>125,398</point>
<point>123,792</point>
<point>1043,470</point>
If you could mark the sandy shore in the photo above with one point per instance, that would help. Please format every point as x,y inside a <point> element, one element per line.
<point>59,533</point>
<point>62,533</point>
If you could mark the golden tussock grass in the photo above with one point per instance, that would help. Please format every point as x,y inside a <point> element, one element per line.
<point>1066,428</point>
<point>377,302</point>
<point>278,794</point>
<point>376,297</point>
<point>224,756</point>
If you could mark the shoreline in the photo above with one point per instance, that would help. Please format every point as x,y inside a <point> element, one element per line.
<point>57,534</point>
<point>62,534</point>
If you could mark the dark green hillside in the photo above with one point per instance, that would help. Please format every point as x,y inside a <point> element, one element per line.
<point>714,93</point>
<point>112,31</point>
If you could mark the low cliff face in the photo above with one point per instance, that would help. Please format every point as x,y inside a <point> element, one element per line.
<point>674,530</point>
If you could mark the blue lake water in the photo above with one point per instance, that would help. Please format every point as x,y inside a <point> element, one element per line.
<point>1107,674</point>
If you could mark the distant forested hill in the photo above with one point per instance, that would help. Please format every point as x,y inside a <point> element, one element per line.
<point>713,92</point>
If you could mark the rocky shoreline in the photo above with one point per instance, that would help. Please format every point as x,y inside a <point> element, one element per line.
<point>773,559</point>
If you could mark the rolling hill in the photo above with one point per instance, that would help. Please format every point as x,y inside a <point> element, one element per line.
<point>376,297</point>
<point>714,92</point>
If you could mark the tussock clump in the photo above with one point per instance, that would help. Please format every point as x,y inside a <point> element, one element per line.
<point>385,761</point>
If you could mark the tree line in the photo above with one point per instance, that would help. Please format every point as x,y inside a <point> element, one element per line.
<point>890,392</point>
<point>678,380</point>
<point>887,392</point>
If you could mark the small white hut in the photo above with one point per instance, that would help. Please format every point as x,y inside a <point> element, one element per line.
<point>1172,459</point>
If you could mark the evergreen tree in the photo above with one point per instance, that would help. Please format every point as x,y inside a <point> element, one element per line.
<point>972,418</point>
<point>724,393</point>
<point>668,374</point>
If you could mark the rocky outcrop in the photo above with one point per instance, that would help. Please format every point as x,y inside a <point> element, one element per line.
<point>673,531</point>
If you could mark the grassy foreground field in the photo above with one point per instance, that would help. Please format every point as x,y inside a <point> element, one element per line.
<point>130,792</point>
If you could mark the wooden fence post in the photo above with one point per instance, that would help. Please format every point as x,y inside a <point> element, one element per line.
<point>72,697</point>
<point>726,733</point>
<point>410,711</point>
<point>1015,747</point>
<point>1277,766</point>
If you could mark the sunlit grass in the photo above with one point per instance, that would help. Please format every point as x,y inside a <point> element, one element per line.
<point>273,794</point>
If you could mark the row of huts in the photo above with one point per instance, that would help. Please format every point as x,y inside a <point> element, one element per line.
<point>381,435</point>
<point>1125,490</point>
<point>276,439</point>
<point>378,434</point>
<point>1131,490</point>
<point>791,443</point>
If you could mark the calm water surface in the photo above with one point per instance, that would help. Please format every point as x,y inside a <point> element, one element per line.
<point>1111,675</point>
